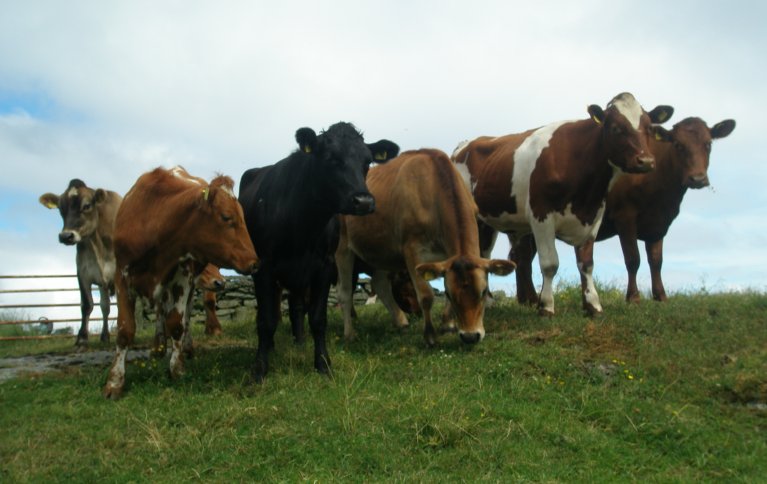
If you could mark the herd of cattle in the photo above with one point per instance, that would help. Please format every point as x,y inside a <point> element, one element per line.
<point>323,215</point>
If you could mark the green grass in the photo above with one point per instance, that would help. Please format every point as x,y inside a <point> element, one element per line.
<point>670,392</point>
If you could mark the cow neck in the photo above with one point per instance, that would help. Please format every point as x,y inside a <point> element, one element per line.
<point>596,173</point>
<point>668,175</point>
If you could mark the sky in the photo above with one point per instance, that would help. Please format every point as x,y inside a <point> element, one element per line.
<point>104,91</point>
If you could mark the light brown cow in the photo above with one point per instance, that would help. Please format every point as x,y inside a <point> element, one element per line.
<point>89,217</point>
<point>425,223</point>
<point>169,226</point>
<point>552,181</point>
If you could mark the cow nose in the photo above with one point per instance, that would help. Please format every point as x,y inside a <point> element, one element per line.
<point>646,163</point>
<point>218,285</point>
<point>67,238</point>
<point>697,181</point>
<point>254,267</point>
<point>470,338</point>
<point>363,203</point>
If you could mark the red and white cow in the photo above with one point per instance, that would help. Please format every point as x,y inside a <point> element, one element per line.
<point>89,216</point>
<point>424,223</point>
<point>169,226</point>
<point>552,181</point>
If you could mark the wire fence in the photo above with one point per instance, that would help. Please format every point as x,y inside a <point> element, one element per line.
<point>14,303</point>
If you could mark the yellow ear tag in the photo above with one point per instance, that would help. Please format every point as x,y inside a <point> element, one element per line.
<point>658,137</point>
<point>307,149</point>
<point>596,120</point>
<point>429,276</point>
<point>51,205</point>
<point>381,156</point>
<point>205,193</point>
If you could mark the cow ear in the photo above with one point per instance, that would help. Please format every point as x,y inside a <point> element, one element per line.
<point>723,129</point>
<point>597,113</point>
<point>430,270</point>
<point>661,134</point>
<point>306,139</point>
<point>99,196</point>
<point>383,150</point>
<point>49,200</point>
<point>661,114</point>
<point>500,267</point>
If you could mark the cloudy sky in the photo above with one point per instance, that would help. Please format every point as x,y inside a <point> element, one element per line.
<point>105,90</point>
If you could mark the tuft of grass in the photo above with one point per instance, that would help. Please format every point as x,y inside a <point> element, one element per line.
<point>662,392</point>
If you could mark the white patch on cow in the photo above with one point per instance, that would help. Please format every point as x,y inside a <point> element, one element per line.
<point>628,106</point>
<point>228,191</point>
<point>590,291</point>
<point>463,144</point>
<point>177,359</point>
<point>181,173</point>
<point>117,371</point>
<point>157,292</point>
<point>72,192</point>
<point>463,170</point>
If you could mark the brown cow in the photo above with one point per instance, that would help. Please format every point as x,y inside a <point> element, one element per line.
<point>643,206</point>
<point>89,216</point>
<point>425,223</point>
<point>169,226</point>
<point>552,181</point>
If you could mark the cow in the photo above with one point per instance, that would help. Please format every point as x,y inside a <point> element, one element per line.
<point>169,226</point>
<point>552,181</point>
<point>89,216</point>
<point>642,207</point>
<point>290,210</point>
<point>425,223</point>
<point>209,282</point>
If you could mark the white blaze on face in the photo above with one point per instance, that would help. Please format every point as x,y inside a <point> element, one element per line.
<point>228,191</point>
<point>72,192</point>
<point>629,108</point>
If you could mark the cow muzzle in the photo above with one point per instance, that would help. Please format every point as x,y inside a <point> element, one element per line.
<point>644,164</point>
<point>471,337</point>
<point>69,237</point>
<point>697,181</point>
<point>363,204</point>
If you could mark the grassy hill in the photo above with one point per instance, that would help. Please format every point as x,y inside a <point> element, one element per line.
<point>649,392</point>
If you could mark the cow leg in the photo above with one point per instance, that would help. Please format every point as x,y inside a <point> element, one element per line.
<point>176,300</point>
<point>105,306</point>
<point>655,259</point>
<point>86,308</point>
<point>345,288</point>
<point>296,313</point>
<point>187,345</point>
<point>126,330</point>
<point>585,257</point>
<point>382,287</point>
<point>522,253</point>
<point>487,238</point>
<point>267,316</point>
<point>318,316</point>
<point>549,262</point>
<point>631,258</point>
<point>160,336</point>
<point>212,324</point>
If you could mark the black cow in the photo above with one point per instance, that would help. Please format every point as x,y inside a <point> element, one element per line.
<point>290,210</point>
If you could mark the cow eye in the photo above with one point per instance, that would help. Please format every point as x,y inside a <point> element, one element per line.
<point>226,218</point>
<point>616,130</point>
<point>86,206</point>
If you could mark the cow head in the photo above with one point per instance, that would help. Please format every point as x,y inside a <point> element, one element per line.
<point>466,288</point>
<point>78,207</point>
<point>210,279</point>
<point>626,130</point>
<point>222,238</point>
<point>691,139</point>
<point>341,159</point>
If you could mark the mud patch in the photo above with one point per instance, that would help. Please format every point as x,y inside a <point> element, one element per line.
<point>50,362</point>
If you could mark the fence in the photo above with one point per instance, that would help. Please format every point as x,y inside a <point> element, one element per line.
<point>236,301</point>
<point>96,316</point>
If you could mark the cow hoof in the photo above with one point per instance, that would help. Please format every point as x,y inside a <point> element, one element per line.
<point>350,336</point>
<point>81,343</point>
<point>112,392</point>
<point>633,298</point>
<point>322,365</point>
<point>430,340</point>
<point>446,329</point>
<point>591,311</point>
<point>214,332</point>
<point>543,312</point>
<point>299,340</point>
<point>105,337</point>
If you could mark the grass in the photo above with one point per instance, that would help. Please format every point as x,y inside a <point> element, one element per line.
<point>650,392</point>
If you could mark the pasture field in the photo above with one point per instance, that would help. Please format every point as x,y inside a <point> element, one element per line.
<point>673,392</point>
